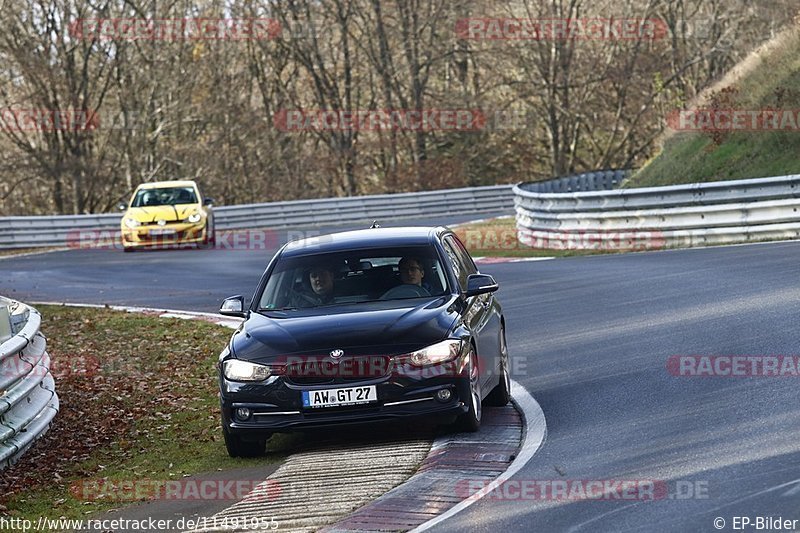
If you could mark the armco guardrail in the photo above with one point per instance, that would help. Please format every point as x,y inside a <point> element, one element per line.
<point>30,232</point>
<point>655,217</point>
<point>28,402</point>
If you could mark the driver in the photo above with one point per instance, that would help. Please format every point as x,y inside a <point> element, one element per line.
<point>322,282</point>
<point>321,278</point>
<point>412,272</point>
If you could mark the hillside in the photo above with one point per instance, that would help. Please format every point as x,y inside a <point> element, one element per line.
<point>700,146</point>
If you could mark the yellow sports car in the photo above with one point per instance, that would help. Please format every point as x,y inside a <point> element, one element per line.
<point>167,214</point>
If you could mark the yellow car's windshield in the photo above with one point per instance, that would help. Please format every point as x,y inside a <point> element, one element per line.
<point>164,196</point>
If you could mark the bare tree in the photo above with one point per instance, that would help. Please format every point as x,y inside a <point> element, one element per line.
<point>205,108</point>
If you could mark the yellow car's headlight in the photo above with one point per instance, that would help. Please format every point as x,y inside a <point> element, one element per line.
<point>195,218</point>
<point>132,223</point>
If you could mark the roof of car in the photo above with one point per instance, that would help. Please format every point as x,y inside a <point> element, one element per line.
<point>172,183</point>
<point>365,238</point>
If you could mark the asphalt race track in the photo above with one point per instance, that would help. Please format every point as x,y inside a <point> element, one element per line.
<point>590,338</point>
<point>194,280</point>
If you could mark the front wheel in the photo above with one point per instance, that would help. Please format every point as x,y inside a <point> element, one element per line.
<point>471,420</point>
<point>211,234</point>
<point>237,447</point>
<point>501,394</point>
<point>210,239</point>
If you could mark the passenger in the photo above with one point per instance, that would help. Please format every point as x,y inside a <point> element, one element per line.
<point>412,272</point>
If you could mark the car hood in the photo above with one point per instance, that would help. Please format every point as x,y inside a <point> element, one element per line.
<point>375,328</point>
<point>170,213</point>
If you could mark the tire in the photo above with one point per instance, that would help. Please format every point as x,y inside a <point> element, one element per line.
<point>211,234</point>
<point>501,394</point>
<point>471,420</point>
<point>127,249</point>
<point>210,239</point>
<point>241,448</point>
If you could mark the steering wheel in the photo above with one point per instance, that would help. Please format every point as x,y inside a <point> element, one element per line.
<point>405,291</point>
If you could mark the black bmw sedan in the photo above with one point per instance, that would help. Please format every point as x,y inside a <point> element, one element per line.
<point>363,326</point>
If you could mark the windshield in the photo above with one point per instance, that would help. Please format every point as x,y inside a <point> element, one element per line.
<point>354,277</point>
<point>164,196</point>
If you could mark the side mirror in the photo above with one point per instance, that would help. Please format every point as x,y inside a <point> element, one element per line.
<point>208,201</point>
<point>480,284</point>
<point>121,206</point>
<point>233,306</point>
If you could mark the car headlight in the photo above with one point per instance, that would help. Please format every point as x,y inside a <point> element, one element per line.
<point>236,370</point>
<point>132,223</point>
<point>194,218</point>
<point>438,353</point>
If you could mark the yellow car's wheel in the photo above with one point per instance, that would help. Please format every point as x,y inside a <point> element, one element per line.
<point>209,241</point>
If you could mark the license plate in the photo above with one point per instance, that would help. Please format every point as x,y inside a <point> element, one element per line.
<point>162,232</point>
<point>339,397</point>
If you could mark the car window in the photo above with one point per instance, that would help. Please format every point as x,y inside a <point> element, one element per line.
<point>458,269</point>
<point>164,196</point>
<point>463,265</point>
<point>463,254</point>
<point>353,277</point>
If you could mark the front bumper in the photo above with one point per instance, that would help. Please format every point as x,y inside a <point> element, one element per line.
<point>276,404</point>
<point>169,236</point>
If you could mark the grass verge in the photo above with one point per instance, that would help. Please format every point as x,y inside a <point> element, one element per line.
<point>138,401</point>
<point>692,157</point>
